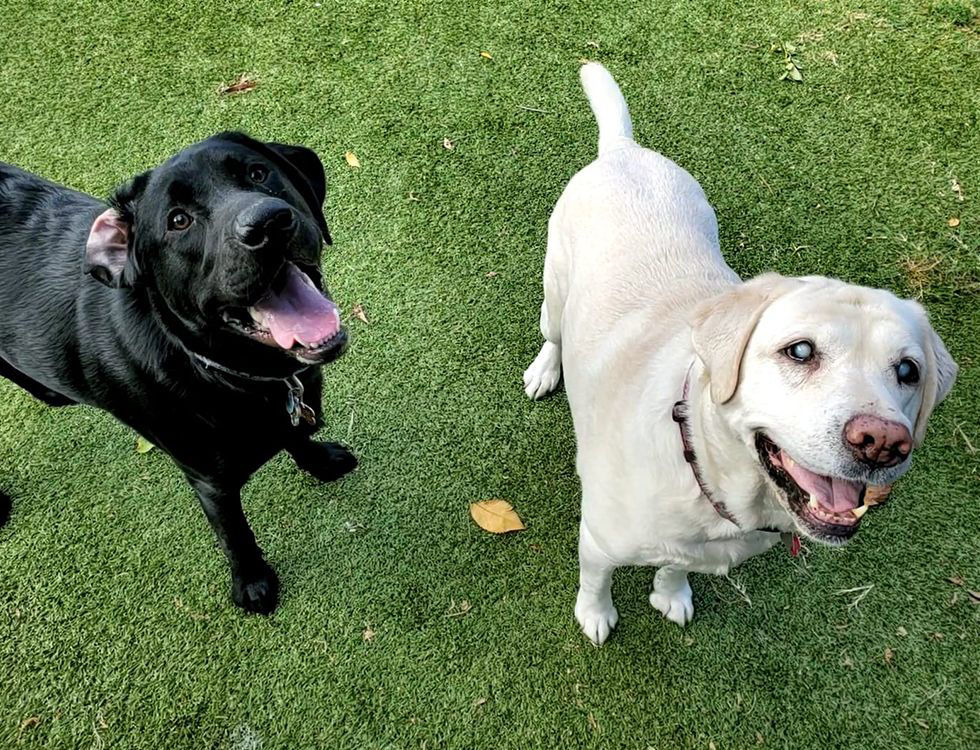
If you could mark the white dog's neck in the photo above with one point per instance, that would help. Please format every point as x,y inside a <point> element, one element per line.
<point>728,466</point>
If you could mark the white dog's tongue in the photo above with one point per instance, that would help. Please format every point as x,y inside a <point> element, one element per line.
<point>837,495</point>
<point>298,312</point>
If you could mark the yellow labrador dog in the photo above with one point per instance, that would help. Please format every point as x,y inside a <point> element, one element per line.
<point>711,413</point>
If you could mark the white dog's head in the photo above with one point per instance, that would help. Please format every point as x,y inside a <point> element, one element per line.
<point>830,384</point>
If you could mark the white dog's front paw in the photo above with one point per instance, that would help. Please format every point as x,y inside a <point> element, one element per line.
<point>543,374</point>
<point>597,619</point>
<point>677,606</point>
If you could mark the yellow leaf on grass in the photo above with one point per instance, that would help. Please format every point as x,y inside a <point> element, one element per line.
<point>143,445</point>
<point>486,55</point>
<point>496,516</point>
<point>358,312</point>
<point>351,158</point>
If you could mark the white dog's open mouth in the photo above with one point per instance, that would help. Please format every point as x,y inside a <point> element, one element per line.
<point>827,509</point>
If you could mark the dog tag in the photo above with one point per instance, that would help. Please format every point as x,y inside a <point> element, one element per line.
<point>295,406</point>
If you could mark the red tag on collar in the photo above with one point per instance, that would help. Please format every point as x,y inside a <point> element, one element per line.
<point>794,545</point>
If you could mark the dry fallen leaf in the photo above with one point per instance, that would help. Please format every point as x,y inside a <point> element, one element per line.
<point>479,702</point>
<point>486,55</point>
<point>28,723</point>
<point>351,158</point>
<point>448,144</point>
<point>957,189</point>
<point>954,222</point>
<point>240,85</point>
<point>358,312</point>
<point>491,274</point>
<point>143,445</point>
<point>901,631</point>
<point>936,636</point>
<point>368,634</point>
<point>877,495</point>
<point>458,611</point>
<point>889,656</point>
<point>955,580</point>
<point>974,596</point>
<point>496,516</point>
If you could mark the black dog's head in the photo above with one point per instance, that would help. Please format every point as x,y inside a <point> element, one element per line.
<point>225,238</point>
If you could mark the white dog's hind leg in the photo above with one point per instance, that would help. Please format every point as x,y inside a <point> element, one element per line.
<point>672,595</point>
<point>594,608</point>
<point>542,376</point>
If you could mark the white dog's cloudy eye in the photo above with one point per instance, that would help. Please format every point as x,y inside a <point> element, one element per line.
<point>801,351</point>
<point>907,372</point>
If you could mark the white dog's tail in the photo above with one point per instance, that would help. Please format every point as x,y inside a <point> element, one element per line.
<point>607,104</point>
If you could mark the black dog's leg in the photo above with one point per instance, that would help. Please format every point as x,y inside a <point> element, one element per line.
<point>4,509</point>
<point>254,584</point>
<point>325,461</point>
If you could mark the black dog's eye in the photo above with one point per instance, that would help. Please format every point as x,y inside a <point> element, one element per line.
<point>179,220</point>
<point>907,372</point>
<point>801,351</point>
<point>257,173</point>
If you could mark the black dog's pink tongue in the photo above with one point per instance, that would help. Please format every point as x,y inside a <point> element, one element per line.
<point>298,312</point>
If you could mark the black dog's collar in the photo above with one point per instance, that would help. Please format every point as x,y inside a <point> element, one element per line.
<point>296,408</point>
<point>679,415</point>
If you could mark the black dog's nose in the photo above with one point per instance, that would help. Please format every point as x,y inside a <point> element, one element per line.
<point>265,220</point>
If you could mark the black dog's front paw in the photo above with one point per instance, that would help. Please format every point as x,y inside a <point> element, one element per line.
<point>325,461</point>
<point>257,592</point>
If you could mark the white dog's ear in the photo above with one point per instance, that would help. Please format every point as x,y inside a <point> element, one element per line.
<point>940,374</point>
<point>723,325</point>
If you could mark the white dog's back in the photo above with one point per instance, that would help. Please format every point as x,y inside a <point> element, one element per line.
<point>633,233</point>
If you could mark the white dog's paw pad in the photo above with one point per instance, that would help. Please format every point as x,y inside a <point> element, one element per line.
<point>597,622</point>
<point>542,376</point>
<point>676,606</point>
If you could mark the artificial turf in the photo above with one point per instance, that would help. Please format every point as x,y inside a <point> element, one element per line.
<point>116,628</point>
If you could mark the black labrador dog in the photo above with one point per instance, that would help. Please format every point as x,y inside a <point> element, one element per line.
<point>192,309</point>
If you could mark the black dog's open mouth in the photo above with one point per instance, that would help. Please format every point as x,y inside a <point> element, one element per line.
<point>293,315</point>
<point>827,509</point>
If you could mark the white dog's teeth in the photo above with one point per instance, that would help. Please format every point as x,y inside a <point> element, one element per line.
<point>789,462</point>
<point>859,511</point>
<point>813,502</point>
<point>257,315</point>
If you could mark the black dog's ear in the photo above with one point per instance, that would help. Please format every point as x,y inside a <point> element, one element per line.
<point>109,249</point>
<point>314,181</point>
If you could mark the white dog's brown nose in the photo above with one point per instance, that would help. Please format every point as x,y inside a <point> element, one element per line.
<point>876,441</point>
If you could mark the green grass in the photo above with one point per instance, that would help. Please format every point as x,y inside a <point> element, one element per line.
<point>116,629</point>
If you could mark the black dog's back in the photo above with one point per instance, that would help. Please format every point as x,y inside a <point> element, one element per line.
<point>43,292</point>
